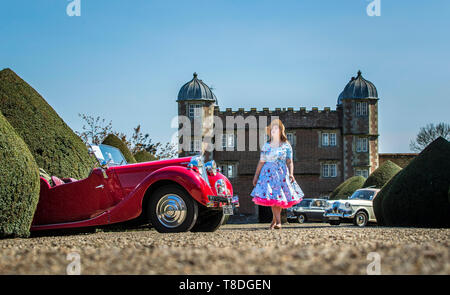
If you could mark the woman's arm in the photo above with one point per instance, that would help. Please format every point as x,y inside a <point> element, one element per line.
<point>258,170</point>
<point>290,165</point>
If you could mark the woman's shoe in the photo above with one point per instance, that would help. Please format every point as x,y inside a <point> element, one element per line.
<point>272,225</point>
<point>277,226</point>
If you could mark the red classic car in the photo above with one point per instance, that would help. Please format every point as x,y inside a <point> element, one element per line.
<point>173,195</point>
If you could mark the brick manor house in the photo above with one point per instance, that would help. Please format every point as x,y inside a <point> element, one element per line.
<point>329,146</point>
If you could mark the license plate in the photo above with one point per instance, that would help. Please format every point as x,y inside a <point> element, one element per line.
<point>333,217</point>
<point>227,209</point>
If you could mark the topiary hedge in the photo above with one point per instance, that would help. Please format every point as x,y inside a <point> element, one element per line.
<point>347,188</point>
<point>418,194</point>
<point>144,156</point>
<point>382,174</point>
<point>377,208</point>
<point>19,183</point>
<point>114,141</point>
<point>55,147</point>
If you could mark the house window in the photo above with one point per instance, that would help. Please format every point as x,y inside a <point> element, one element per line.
<point>196,145</point>
<point>195,110</point>
<point>332,138</point>
<point>231,140</point>
<point>328,139</point>
<point>224,141</point>
<point>229,170</point>
<point>228,140</point>
<point>328,170</point>
<point>362,172</point>
<point>292,140</point>
<point>324,139</point>
<point>361,108</point>
<point>361,144</point>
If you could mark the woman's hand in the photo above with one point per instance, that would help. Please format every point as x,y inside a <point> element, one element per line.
<point>255,180</point>
<point>291,178</point>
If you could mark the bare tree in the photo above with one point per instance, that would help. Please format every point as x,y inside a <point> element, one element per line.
<point>141,141</point>
<point>428,134</point>
<point>166,151</point>
<point>94,130</point>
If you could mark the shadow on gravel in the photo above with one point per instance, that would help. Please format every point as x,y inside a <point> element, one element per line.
<point>122,227</point>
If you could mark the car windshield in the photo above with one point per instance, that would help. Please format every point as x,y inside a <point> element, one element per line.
<point>108,155</point>
<point>304,203</point>
<point>362,195</point>
<point>318,203</point>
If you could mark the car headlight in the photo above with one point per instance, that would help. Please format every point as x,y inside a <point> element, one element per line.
<point>198,162</point>
<point>211,167</point>
<point>221,187</point>
<point>347,205</point>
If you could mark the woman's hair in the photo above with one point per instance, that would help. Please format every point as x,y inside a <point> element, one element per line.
<point>278,122</point>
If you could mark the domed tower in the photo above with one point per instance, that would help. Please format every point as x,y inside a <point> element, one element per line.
<point>196,104</point>
<point>359,105</point>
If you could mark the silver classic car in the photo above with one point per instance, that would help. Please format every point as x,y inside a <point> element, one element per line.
<point>358,208</point>
<point>307,210</point>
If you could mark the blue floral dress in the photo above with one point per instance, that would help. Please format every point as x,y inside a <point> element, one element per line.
<point>274,187</point>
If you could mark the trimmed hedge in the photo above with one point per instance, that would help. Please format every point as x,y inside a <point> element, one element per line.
<point>377,208</point>
<point>382,174</point>
<point>55,147</point>
<point>19,183</point>
<point>144,156</point>
<point>347,188</point>
<point>114,141</point>
<point>418,194</point>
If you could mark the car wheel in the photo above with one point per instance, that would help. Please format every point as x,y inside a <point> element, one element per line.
<point>209,221</point>
<point>360,219</point>
<point>301,218</point>
<point>171,209</point>
<point>334,222</point>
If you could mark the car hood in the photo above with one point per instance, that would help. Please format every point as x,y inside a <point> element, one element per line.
<point>153,165</point>
<point>358,202</point>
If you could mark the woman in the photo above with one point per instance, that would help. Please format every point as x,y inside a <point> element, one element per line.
<point>274,182</point>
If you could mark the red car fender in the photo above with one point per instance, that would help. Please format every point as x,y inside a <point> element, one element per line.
<point>191,181</point>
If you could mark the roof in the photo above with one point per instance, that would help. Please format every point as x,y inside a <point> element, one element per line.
<point>196,90</point>
<point>358,87</point>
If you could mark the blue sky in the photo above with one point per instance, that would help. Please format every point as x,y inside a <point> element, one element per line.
<point>126,60</point>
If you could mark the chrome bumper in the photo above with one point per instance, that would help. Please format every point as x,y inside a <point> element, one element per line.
<point>345,214</point>
<point>219,201</point>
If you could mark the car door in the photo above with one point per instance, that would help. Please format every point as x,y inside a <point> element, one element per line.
<point>316,211</point>
<point>75,201</point>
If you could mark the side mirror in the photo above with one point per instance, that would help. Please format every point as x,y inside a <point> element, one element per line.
<point>104,164</point>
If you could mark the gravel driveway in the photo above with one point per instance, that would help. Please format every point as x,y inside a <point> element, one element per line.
<point>236,249</point>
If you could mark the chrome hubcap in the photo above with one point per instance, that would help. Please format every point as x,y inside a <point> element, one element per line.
<point>360,219</point>
<point>171,210</point>
<point>301,218</point>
